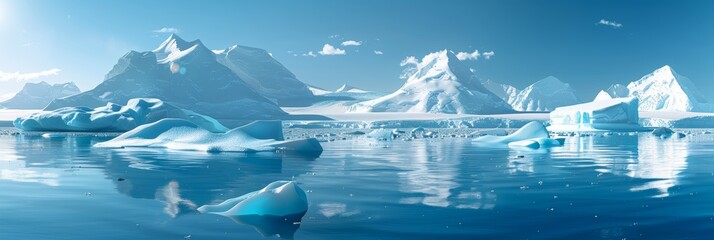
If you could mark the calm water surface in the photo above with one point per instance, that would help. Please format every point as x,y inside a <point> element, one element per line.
<point>614,187</point>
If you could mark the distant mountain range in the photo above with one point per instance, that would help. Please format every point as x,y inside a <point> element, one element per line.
<point>248,83</point>
<point>541,96</point>
<point>38,95</point>
<point>346,92</point>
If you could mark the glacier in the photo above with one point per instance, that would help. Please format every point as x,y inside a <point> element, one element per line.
<point>439,83</point>
<point>181,134</point>
<point>279,198</point>
<point>605,114</point>
<point>112,117</point>
<point>38,95</point>
<point>225,84</point>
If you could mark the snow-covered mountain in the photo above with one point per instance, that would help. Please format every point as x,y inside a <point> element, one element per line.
<point>265,74</point>
<point>664,90</point>
<point>38,95</point>
<point>503,91</point>
<point>439,83</point>
<point>544,95</point>
<point>191,76</point>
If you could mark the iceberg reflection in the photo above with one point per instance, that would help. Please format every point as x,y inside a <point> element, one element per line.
<point>658,161</point>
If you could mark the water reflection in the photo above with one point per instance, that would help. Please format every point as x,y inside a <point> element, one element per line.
<point>170,194</point>
<point>184,180</point>
<point>181,181</point>
<point>432,175</point>
<point>658,161</point>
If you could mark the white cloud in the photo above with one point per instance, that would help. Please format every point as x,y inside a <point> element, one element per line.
<point>334,36</point>
<point>28,44</point>
<point>167,30</point>
<point>18,77</point>
<point>351,43</point>
<point>609,23</point>
<point>309,54</point>
<point>410,60</point>
<point>488,55</point>
<point>331,50</point>
<point>463,56</point>
<point>378,52</point>
<point>6,96</point>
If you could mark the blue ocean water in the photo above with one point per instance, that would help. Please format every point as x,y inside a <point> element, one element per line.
<point>596,187</point>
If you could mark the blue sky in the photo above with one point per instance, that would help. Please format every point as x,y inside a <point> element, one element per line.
<point>80,41</point>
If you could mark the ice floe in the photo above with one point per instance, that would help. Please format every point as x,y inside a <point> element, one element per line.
<point>532,135</point>
<point>181,134</point>
<point>279,198</point>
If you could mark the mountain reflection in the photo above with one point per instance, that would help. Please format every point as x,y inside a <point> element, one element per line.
<point>434,173</point>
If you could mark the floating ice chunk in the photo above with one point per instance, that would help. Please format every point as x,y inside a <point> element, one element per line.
<point>532,135</point>
<point>529,131</point>
<point>180,134</point>
<point>112,117</point>
<point>662,132</point>
<point>382,134</point>
<point>279,198</point>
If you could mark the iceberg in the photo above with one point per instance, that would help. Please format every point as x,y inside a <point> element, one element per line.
<point>532,135</point>
<point>279,198</point>
<point>662,132</point>
<point>181,134</point>
<point>383,134</point>
<point>113,117</point>
<point>605,114</point>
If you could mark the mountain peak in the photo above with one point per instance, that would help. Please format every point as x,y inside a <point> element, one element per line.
<point>666,70</point>
<point>174,48</point>
<point>345,88</point>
